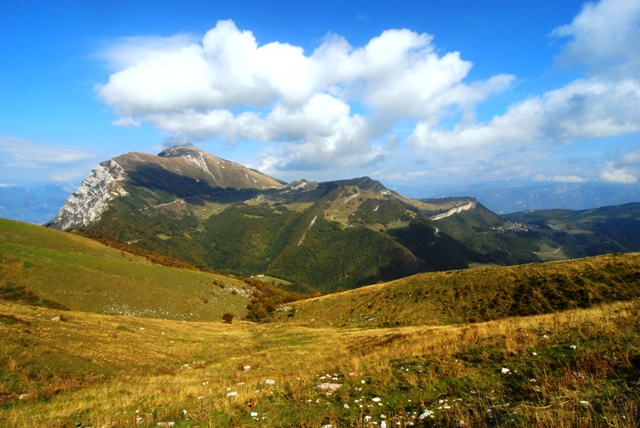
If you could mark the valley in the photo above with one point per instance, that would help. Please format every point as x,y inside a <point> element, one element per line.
<point>570,368</point>
<point>189,291</point>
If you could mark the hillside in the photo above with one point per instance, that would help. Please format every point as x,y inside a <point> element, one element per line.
<point>62,270</point>
<point>547,344</point>
<point>474,295</point>
<point>321,237</point>
<point>568,234</point>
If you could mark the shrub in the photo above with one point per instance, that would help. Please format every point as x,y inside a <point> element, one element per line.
<point>227,317</point>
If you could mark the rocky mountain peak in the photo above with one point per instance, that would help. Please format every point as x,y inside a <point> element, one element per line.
<point>180,151</point>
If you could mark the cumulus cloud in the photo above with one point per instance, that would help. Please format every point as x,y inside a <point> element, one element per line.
<point>605,37</point>
<point>585,108</point>
<point>613,174</point>
<point>624,170</point>
<point>339,105</point>
<point>227,85</point>
<point>30,161</point>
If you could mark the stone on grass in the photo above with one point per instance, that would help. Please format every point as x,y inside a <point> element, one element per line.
<point>332,387</point>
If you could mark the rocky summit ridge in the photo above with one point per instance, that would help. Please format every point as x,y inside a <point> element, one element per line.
<point>185,171</point>
<point>85,206</point>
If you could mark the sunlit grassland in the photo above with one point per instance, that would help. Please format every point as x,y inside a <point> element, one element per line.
<point>576,368</point>
<point>271,280</point>
<point>85,275</point>
<point>480,294</point>
<point>553,252</point>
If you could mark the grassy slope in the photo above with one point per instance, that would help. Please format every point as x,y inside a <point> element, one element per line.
<point>569,369</point>
<point>85,275</point>
<point>477,294</point>
<point>569,234</point>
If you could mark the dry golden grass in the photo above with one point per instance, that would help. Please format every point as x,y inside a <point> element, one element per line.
<point>97,370</point>
<point>472,295</point>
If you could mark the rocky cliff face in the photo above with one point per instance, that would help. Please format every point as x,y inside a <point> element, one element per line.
<point>85,206</point>
<point>184,172</point>
<point>456,210</point>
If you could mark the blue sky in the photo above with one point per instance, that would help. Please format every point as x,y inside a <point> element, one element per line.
<point>423,93</point>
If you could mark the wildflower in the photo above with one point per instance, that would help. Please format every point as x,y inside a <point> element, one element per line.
<point>376,400</point>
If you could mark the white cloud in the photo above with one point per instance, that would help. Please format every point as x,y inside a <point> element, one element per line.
<point>30,154</point>
<point>336,107</point>
<point>560,178</point>
<point>624,170</point>
<point>229,86</point>
<point>586,108</point>
<point>127,122</point>
<point>613,174</point>
<point>605,37</point>
<point>630,159</point>
<point>29,161</point>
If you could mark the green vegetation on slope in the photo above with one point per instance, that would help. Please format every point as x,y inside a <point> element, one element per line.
<point>84,275</point>
<point>381,211</point>
<point>478,230</point>
<point>568,234</point>
<point>480,294</point>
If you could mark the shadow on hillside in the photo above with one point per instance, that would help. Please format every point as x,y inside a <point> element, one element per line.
<point>197,191</point>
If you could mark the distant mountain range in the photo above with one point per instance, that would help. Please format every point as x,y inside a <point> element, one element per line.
<point>192,206</point>
<point>504,197</point>
<point>37,205</point>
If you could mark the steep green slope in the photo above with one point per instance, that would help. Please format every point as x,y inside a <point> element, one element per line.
<point>82,274</point>
<point>480,294</point>
<point>346,238</point>
<point>566,233</point>
<point>491,238</point>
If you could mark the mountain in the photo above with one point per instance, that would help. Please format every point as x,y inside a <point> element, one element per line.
<point>318,236</point>
<point>37,205</point>
<point>174,175</point>
<point>580,233</point>
<point>510,197</point>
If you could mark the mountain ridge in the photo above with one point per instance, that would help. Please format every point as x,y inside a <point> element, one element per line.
<point>209,212</point>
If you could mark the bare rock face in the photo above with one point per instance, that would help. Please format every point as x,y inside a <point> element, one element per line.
<point>85,206</point>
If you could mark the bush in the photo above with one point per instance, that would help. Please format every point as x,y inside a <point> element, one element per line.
<point>227,317</point>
